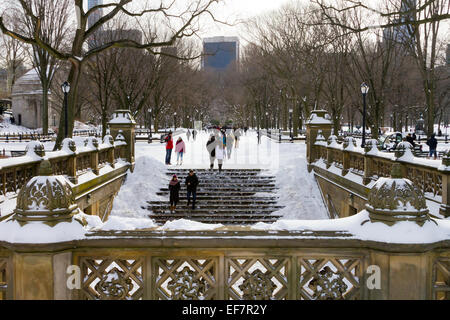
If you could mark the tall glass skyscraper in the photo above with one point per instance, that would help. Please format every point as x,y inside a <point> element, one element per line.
<point>94,17</point>
<point>220,52</point>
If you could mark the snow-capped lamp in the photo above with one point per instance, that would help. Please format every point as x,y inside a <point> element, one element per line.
<point>371,147</point>
<point>35,148</point>
<point>397,199</point>
<point>403,151</point>
<point>46,198</point>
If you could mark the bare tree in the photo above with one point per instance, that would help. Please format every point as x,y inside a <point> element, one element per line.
<point>180,22</point>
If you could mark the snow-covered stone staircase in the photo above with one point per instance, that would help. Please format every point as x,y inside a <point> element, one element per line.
<point>240,197</point>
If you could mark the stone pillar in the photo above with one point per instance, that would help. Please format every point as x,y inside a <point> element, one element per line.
<point>331,143</point>
<point>348,145</point>
<point>445,170</point>
<point>92,143</point>
<point>319,120</point>
<point>40,275</point>
<point>123,120</point>
<point>68,145</point>
<point>370,150</point>
<point>108,140</point>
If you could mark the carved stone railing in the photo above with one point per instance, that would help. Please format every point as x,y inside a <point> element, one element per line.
<point>227,265</point>
<point>431,176</point>
<point>16,172</point>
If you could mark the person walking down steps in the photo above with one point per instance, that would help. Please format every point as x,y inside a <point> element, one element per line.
<point>174,189</point>
<point>191,186</point>
<point>180,149</point>
<point>230,141</point>
<point>211,147</point>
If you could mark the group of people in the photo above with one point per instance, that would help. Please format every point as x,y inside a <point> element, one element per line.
<point>180,149</point>
<point>191,183</point>
<point>220,145</point>
<point>431,143</point>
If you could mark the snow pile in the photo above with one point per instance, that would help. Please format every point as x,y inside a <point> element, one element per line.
<point>122,223</point>
<point>183,224</point>
<point>140,186</point>
<point>298,192</point>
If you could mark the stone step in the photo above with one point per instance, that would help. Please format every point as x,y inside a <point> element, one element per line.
<point>216,211</point>
<point>218,174</point>
<point>246,201</point>
<point>209,205</point>
<point>224,170</point>
<point>226,189</point>
<point>217,220</point>
<point>218,183</point>
<point>215,194</point>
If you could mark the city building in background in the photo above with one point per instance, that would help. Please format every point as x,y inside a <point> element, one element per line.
<point>220,53</point>
<point>95,16</point>
<point>403,34</point>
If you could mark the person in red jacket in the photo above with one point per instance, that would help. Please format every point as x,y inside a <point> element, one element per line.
<point>169,148</point>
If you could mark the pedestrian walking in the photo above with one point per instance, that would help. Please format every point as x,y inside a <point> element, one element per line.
<point>169,148</point>
<point>180,149</point>
<point>191,186</point>
<point>174,189</point>
<point>211,147</point>
<point>220,154</point>
<point>188,134</point>
<point>432,144</point>
<point>230,140</point>
<point>194,134</point>
<point>237,135</point>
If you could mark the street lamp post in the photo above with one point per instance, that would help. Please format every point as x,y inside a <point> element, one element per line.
<point>267,120</point>
<point>364,91</point>
<point>150,125</point>
<point>174,122</point>
<point>66,89</point>
<point>290,123</point>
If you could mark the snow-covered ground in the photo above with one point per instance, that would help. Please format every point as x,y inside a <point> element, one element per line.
<point>298,191</point>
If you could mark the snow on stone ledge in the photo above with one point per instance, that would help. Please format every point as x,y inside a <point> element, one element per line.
<point>402,232</point>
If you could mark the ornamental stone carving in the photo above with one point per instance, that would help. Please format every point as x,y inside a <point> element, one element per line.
<point>45,198</point>
<point>186,286</point>
<point>257,286</point>
<point>91,142</point>
<point>109,140</point>
<point>396,199</point>
<point>404,149</point>
<point>349,143</point>
<point>114,286</point>
<point>328,285</point>
<point>34,148</point>
<point>120,137</point>
<point>371,147</point>
<point>332,140</point>
<point>68,144</point>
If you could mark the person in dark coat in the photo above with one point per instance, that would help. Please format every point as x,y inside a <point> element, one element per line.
<point>174,189</point>
<point>211,147</point>
<point>432,144</point>
<point>191,186</point>
<point>410,139</point>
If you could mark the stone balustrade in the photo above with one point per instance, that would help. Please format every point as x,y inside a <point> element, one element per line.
<point>368,164</point>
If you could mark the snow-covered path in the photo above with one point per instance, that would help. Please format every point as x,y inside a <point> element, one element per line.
<point>298,191</point>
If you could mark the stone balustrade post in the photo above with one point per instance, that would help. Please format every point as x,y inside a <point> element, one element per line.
<point>370,150</point>
<point>319,120</point>
<point>124,121</point>
<point>69,146</point>
<point>110,155</point>
<point>92,143</point>
<point>445,170</point>
<point>348,145</point>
